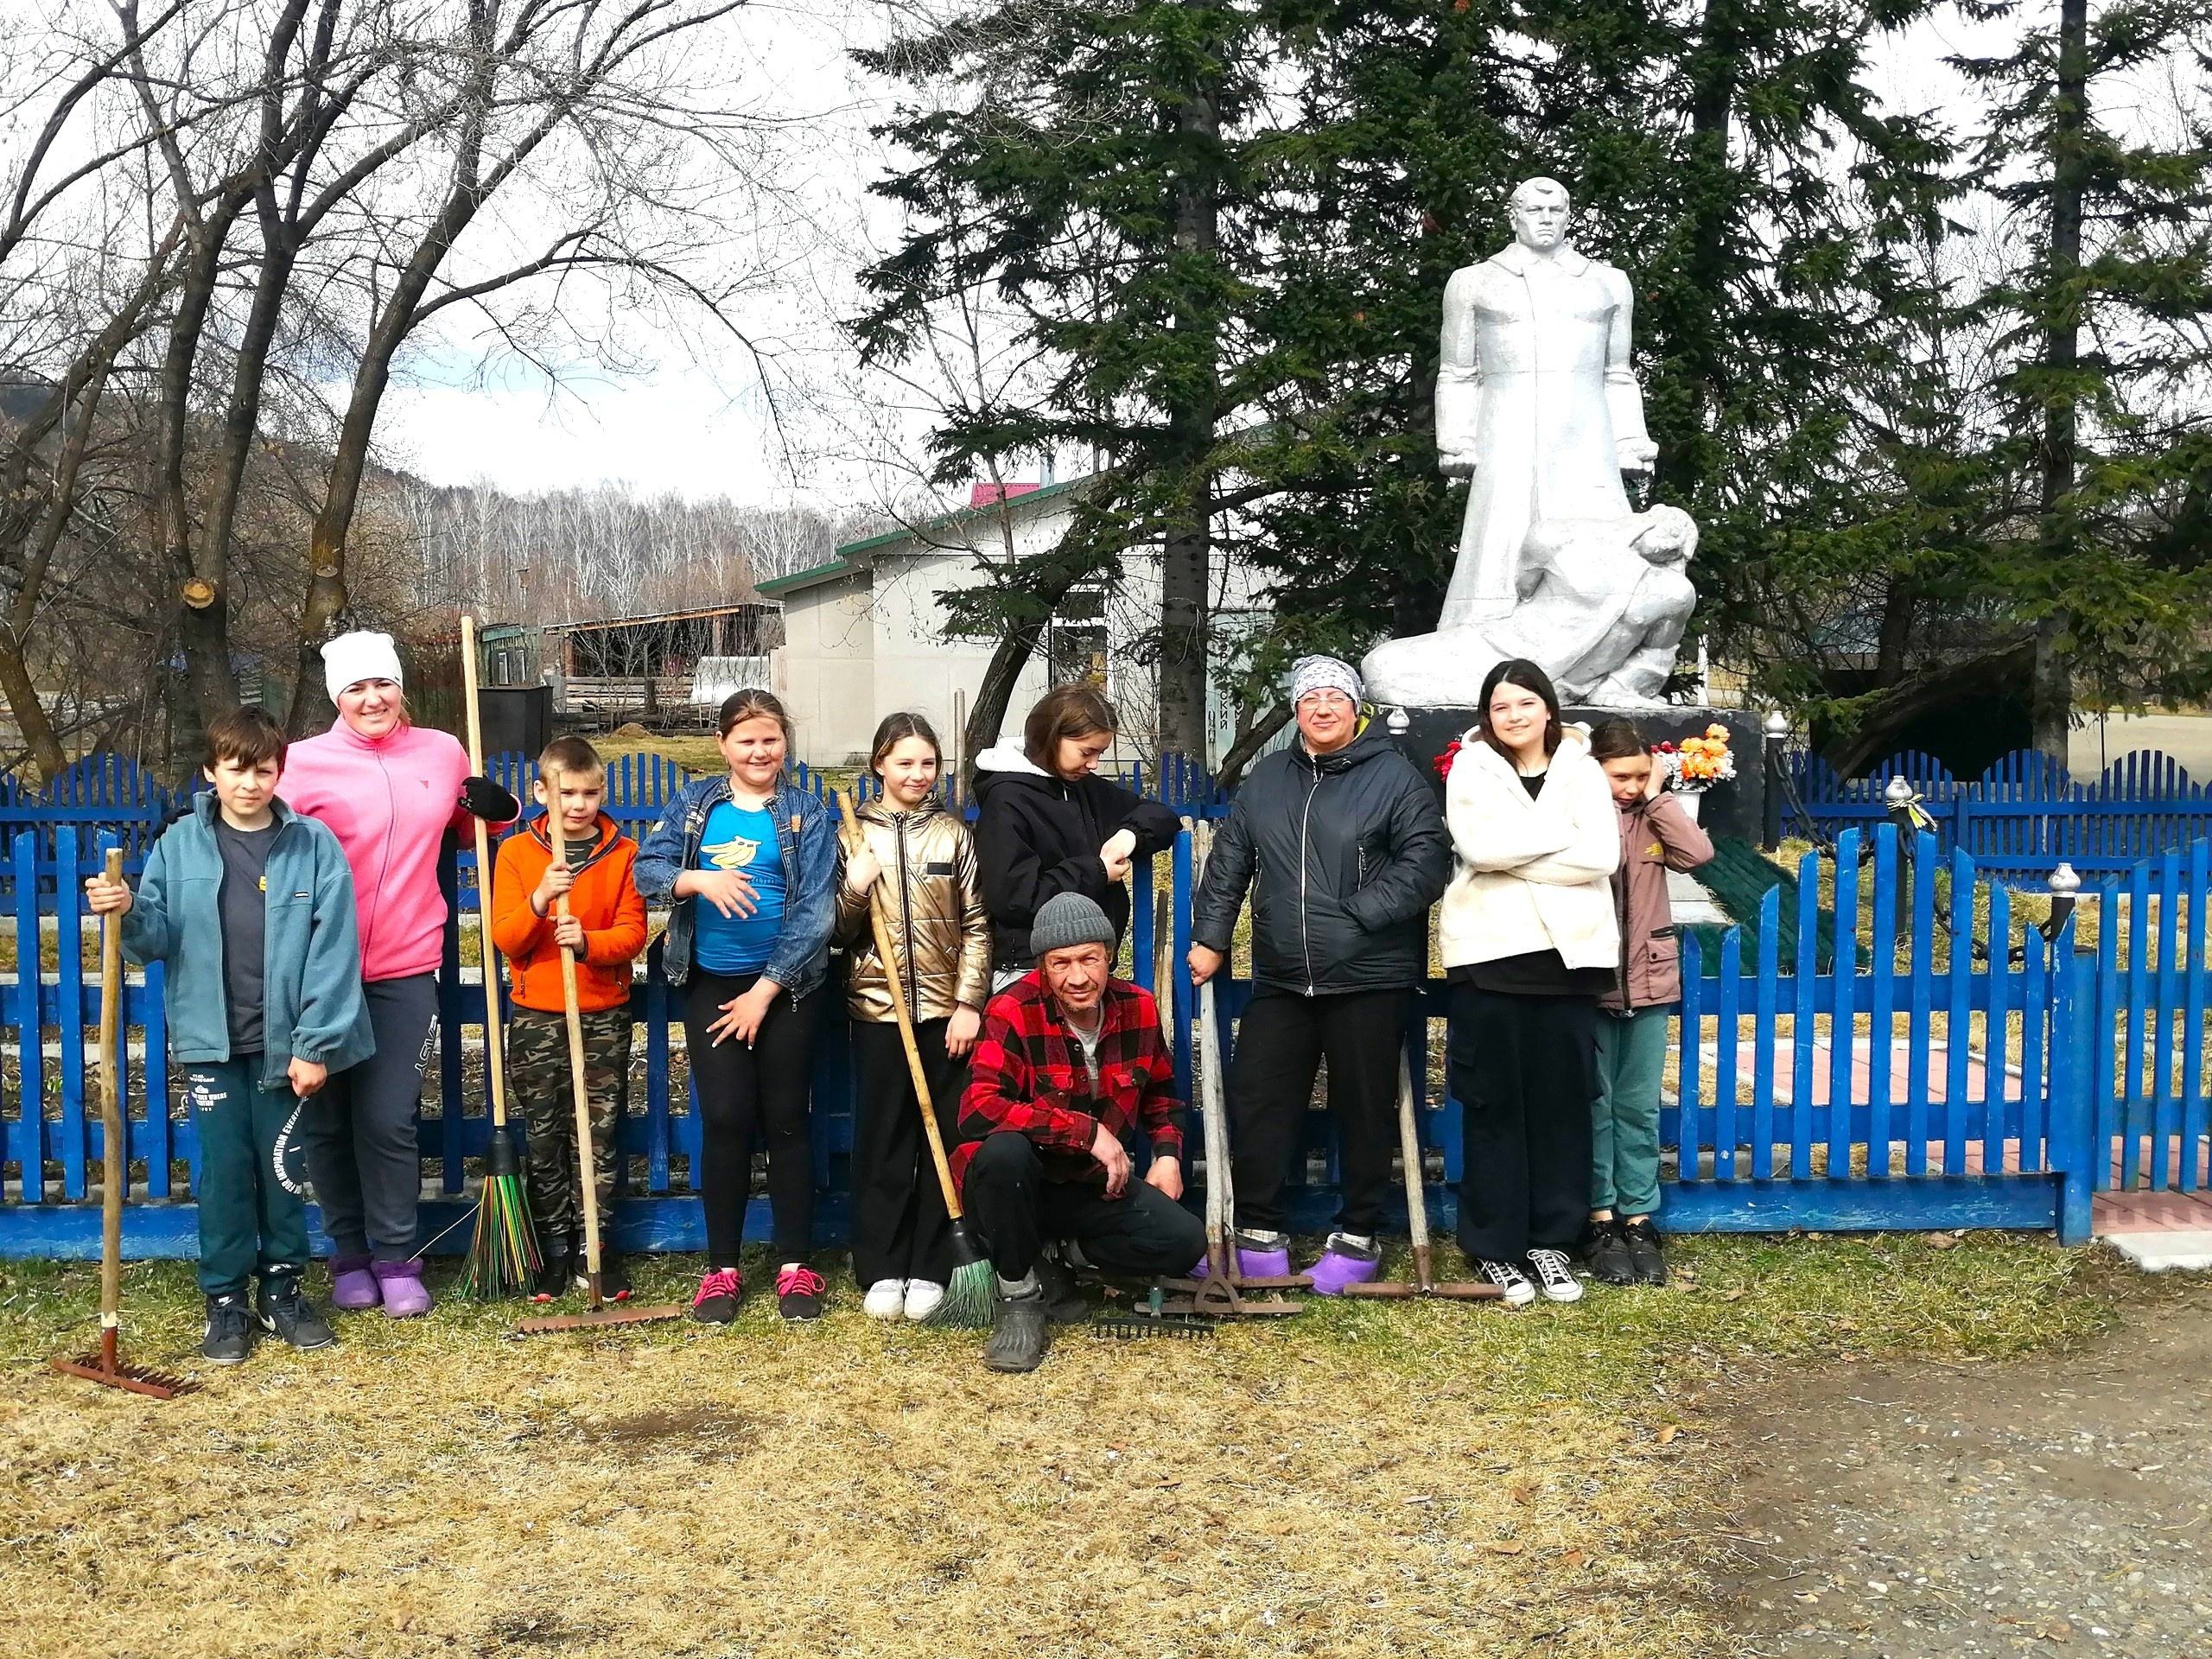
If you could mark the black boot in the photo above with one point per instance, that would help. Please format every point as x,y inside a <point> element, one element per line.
<point>287,1313</point>
<point>1645,1253</point>
<point>230,1330</point>
<point>1606,1251</point>
<point>1064,1303</point>
<point>1021,1335</point>
<point>552,1280</point>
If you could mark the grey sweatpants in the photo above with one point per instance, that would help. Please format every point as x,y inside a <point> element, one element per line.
<point>359,1133</point>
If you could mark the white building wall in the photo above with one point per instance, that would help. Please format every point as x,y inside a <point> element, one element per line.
<point>825,670</point>
<point>859,649</point>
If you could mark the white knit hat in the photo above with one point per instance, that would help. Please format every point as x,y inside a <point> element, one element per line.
<point>1310,674</point>
<point>351,658</point>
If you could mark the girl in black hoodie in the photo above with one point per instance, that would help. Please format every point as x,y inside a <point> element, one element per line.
<point>1048,824</point>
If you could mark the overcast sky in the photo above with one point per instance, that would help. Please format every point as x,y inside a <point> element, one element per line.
<point>699,421</point>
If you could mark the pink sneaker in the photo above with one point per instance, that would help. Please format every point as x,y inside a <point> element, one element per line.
<point>353,1285</point>
<point>720,1293</point>
<point>400,1284</point>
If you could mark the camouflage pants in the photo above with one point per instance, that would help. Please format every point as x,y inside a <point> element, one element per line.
<point>538,1074</point>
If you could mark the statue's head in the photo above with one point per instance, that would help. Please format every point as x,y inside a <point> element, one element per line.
<point>1540,210</point>
<point>1668,538</point>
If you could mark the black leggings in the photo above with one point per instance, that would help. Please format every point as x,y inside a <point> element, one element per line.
<point>740,1089</point>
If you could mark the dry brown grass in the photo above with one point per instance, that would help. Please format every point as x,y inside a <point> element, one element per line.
<point>1365,1481</point>
<point>837,1490</point>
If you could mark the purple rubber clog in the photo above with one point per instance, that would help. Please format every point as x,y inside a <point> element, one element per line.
<point>400,1283</point>
<point>1344,1261</point>
<point>353,1285</point>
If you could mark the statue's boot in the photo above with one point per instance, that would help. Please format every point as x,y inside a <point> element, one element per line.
<point>1442,669</point>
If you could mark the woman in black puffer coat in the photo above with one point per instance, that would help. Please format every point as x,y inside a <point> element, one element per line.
<point>1048,824</point>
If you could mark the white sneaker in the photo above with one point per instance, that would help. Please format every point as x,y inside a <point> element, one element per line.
<point>1553,1277</point>
<point>886,1299</point>
<point>922,1298</point>
<point>1519,1293</point>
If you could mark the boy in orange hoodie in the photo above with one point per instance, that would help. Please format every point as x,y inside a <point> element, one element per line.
<point>590,862</point>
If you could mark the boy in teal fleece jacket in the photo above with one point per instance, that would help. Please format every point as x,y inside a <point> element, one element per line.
<point>251,906</point>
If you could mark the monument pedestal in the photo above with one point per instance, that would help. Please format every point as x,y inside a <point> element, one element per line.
<point>1736,808</point>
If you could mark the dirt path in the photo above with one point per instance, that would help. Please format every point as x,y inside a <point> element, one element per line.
<point>2059,1506</point>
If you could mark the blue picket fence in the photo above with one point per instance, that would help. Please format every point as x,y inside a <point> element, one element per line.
<point>1924,1060</point>
<point>111,794</point>
<point>2025,816</point>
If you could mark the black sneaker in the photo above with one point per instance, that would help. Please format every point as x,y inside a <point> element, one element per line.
<point>551,1283</point>
<point>799,1291</point>
<point>1644,1253</point>
<point>1021,1336</point>
<point>1064,1303</point>
<point>1606,1254</point>
<point>230,1330</point>
<point>286,1313</point>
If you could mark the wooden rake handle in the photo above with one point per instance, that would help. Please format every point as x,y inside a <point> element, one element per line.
<point>881,929</point>
<point>115,1153</point>
<point>586,1164</point>
<point>1416,1182</point>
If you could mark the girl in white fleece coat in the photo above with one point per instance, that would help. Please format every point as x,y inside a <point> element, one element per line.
<point>1530,942</point>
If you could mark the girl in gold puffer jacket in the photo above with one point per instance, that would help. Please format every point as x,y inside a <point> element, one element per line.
<point>932,898</point>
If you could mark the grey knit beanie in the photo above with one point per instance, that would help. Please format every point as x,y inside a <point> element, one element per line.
<point>1069,919</point>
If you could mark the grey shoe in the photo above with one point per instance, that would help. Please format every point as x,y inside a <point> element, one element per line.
<point>1021,1337</point>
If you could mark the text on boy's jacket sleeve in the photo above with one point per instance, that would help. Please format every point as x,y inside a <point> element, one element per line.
<point>332,1003</point>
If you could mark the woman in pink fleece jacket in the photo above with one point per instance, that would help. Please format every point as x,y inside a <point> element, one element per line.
<point>391,791</point>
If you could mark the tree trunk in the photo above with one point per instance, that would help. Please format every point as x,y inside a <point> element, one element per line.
<point>40,741</point>
<point>1713,72</point>
<point>1254,737</point>
<point>2051,687</point>
<point>1882,728</point>
<point>1186,555</point>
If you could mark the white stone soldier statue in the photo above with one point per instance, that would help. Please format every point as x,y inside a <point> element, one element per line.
<point>1537,407</point>
<point>1535,399</point>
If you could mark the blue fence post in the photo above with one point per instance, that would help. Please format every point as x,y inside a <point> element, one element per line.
<point>29,1137</point>
<point>2075,1049</point>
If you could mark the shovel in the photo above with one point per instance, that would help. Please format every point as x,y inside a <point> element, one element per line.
<point>1424,1280</point>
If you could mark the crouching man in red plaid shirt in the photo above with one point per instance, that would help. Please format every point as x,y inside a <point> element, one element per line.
<point>1069,1061</point>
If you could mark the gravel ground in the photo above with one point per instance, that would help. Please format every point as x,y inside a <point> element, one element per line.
<point>2060,1506</point>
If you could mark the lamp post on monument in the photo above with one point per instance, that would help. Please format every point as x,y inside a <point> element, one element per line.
<point>1778,741</point>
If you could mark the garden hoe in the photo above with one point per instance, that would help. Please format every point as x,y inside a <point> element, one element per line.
<point>1424,1280</point>
<point>104,1367</point>
<point>597,1312</point>
<point>971,1293</point>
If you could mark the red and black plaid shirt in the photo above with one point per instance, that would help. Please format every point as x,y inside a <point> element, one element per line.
<point>1027,1075</point>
